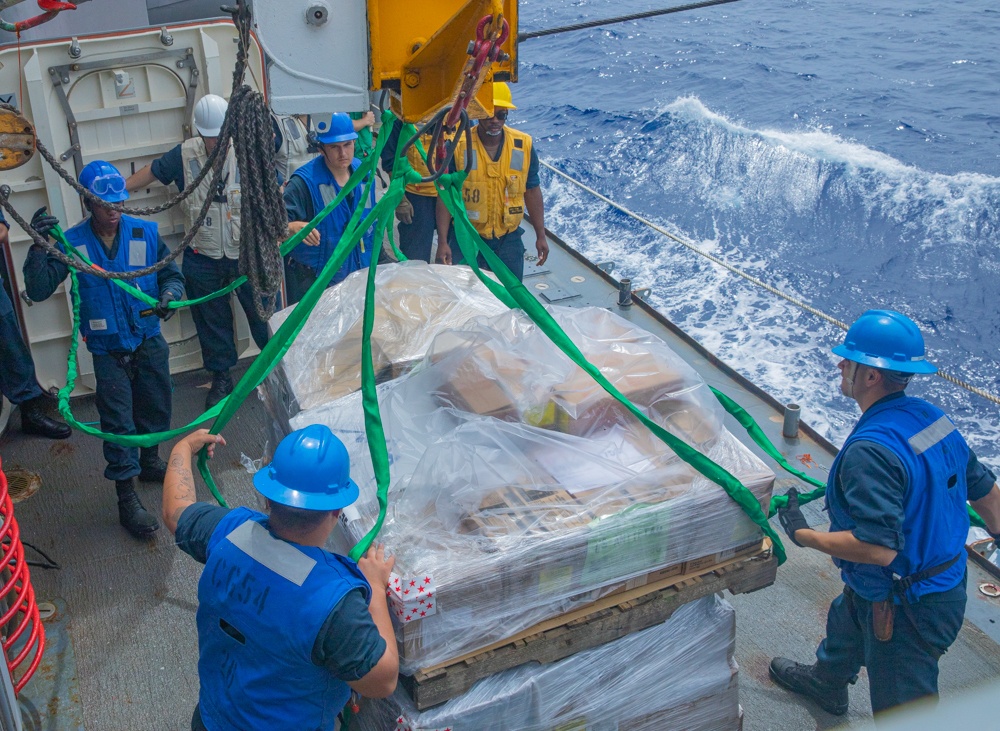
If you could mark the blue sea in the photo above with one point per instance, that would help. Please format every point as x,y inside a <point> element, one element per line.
<point>848,153</point>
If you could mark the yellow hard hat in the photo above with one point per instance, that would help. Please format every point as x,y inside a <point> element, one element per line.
<point>501,95</point>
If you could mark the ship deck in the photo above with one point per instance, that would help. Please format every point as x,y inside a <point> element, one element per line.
<point>122,646</point>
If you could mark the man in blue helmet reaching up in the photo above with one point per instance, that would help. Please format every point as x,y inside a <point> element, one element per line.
<point>131,358</point>
<point>897,496</point>
<point>308,191</point>
<point>286,629</point>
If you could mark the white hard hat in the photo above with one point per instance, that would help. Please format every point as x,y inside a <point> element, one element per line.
<point>209,113</point>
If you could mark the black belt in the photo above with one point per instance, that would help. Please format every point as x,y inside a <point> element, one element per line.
<point>903,585</point>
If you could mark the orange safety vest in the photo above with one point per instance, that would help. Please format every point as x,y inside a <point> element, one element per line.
<point>494,191</point>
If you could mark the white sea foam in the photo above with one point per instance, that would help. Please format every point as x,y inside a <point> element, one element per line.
<point>774,343</point>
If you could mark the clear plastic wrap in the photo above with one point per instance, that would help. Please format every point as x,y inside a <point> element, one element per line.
<point>513,523</point>
<point>414,301</point>
<point>677,675</point>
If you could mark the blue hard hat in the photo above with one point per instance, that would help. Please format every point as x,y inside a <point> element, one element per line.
<point>886,339</point>
<point>340,129</point>
<point>103,180</point>
<point>310,470</point>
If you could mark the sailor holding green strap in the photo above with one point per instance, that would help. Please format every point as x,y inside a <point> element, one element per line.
<point>897,496</point>
<point>310,189</point>
<point>131,358</point>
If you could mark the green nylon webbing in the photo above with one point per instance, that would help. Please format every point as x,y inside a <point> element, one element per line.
<point>513,293</point>
<point>227,406</point>
<point>290,243</point>
<point>760,438</point>
<point>281,341</point>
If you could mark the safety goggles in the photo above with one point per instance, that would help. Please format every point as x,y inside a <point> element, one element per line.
<point>108,184</point>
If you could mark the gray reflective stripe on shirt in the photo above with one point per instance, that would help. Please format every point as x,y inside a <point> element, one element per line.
<point>931,435</point>
<point>517,159</point>
<point>475,161</point>
<point>291,128</point>
<point>282,558</point>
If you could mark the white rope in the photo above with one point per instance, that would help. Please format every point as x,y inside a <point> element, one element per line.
<point>749,277</point>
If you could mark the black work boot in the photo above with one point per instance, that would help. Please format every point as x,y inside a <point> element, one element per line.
<point>802,679</point>
<point>222,386</point>
<point>34,421</point>
<point>131,514</point>
<point>153,468</point>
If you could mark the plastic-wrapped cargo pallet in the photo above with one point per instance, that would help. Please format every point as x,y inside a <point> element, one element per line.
<point>413,303</point>
<point>521,491</point>
<point>677,675</point>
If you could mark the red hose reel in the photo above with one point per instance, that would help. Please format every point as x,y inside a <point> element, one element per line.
<point>17,597</point>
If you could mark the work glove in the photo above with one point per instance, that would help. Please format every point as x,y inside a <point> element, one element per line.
<point>404,211</point>
<point>791,516</point>
<point>162,310</point>
<point>43,222</point>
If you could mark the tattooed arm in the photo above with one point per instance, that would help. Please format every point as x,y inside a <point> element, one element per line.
<point>178,486</point>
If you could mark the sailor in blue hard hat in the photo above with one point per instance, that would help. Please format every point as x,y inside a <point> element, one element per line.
<point>309,190</point>
<point>122,333</point>
<point>286,629</point>
<point>897,498</point>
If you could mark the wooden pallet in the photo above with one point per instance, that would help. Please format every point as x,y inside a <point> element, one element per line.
<point>603,621</point>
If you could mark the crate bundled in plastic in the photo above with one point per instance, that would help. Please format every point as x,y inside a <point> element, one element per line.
<point>521,491</point>
<point>680,674</point>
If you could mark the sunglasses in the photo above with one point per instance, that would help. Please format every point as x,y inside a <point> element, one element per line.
<point>106,184</point>
<point>500,115</point>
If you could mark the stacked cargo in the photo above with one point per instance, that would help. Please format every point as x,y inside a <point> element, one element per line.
<point>524,500</point>
<point>687,680</point>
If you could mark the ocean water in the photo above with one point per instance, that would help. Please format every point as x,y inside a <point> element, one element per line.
<point>847,153</point>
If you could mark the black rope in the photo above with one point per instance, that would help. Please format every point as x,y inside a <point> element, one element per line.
<point>263,217</point>
<point>620,19</point>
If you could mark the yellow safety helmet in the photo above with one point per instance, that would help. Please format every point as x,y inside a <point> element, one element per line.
<point>501,95</point>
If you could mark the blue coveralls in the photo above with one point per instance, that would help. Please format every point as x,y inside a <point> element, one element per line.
<point>309,190</point>
<point>131,358</point>
<point>18,382</point>
<point>935,462</point>
<point>262,602</point>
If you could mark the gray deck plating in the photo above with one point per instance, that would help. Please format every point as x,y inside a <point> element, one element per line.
<point>127,623</point>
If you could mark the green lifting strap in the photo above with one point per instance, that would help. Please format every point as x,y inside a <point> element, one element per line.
<point>760,438</point>
<point>279,344</point>
<point>513,293</point>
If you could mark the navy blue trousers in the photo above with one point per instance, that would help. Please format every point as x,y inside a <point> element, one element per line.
<point>509,247</point>
<point>133,397</point>
<point>902,669</point>
<point>416,238</point>
<point>213,320</point>
<point>18,382</point>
